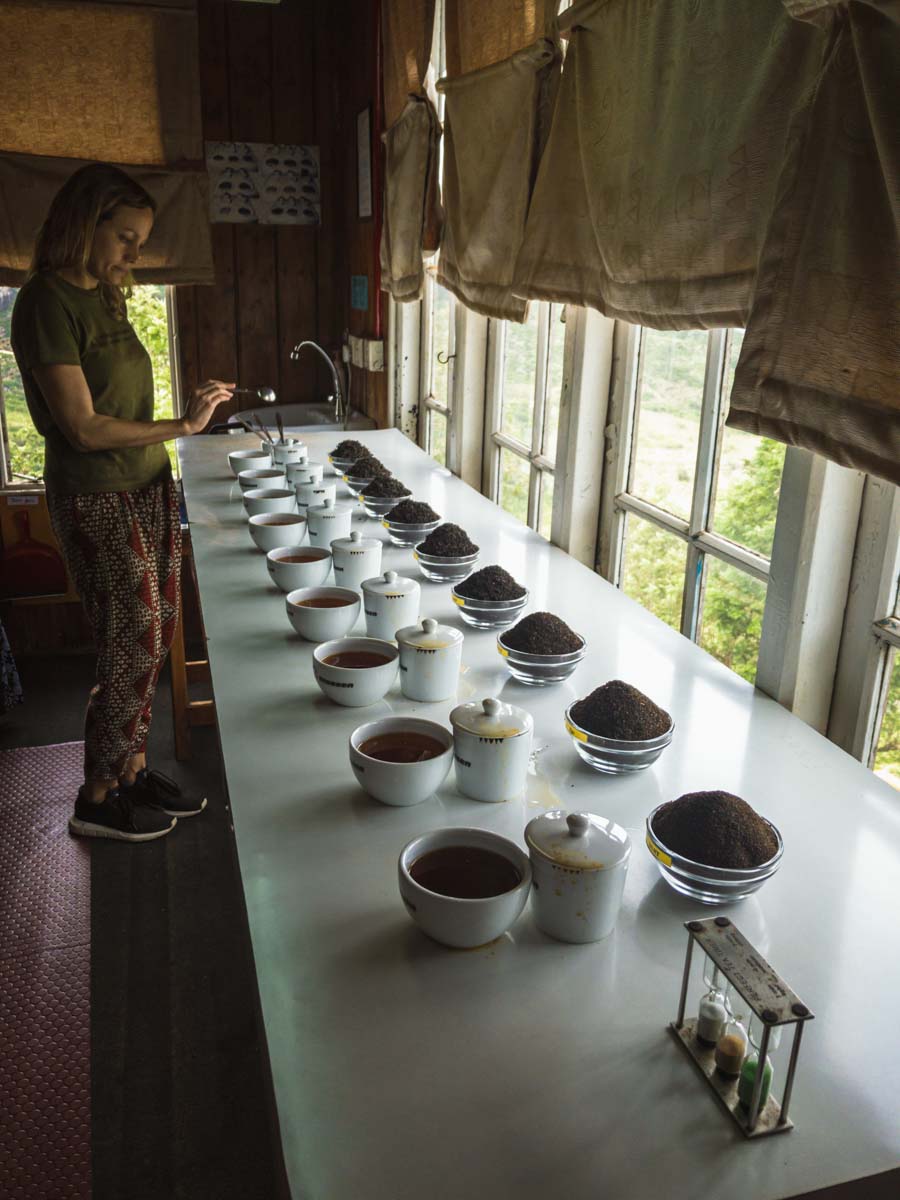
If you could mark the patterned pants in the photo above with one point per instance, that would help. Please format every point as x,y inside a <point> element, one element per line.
<point>123,550</point>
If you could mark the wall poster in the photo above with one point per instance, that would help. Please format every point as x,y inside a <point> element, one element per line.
<point>261,183</point>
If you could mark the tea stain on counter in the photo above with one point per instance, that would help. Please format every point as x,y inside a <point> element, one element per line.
<point>538,791</point>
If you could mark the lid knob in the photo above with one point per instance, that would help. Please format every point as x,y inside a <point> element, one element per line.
<point>328,503</point>
<point>429,625</point>
<point>355,536</point>
<point>491,706</point>
<point>390,577</point>
<point>578,824</point>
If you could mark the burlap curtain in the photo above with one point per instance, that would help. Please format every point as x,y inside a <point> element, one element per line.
<point>820,363</point>
<point>479,33</point>
<point>412,214</point>
<point>112,82</point>
<point>657,182</point>
<point>494,126</point>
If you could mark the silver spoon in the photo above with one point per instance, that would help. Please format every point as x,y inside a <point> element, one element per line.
<point>265,394</point>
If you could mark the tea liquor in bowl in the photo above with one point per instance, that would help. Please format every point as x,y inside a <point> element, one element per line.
<point>401,760</point>
<point>355,671</point>
<point>292,567</point>
<point>320,614</point>
<point>261,500</point>
<point>269,531</point>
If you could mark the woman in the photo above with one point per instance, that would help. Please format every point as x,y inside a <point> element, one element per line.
<point>89,386</point>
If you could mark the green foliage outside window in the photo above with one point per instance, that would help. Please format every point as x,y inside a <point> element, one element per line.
<point>146,312</point>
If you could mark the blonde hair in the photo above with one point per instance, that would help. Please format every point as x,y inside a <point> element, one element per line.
<point>84,201</point>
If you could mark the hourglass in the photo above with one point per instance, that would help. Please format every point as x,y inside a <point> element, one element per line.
<point>732,1055</point>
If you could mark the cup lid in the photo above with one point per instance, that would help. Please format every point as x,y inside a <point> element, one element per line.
<point>390,584</point>
<point>428,635</point>
<point>328,508</point>
<point>356,541</point>
<point>579,841</point>
<point>491,718</point>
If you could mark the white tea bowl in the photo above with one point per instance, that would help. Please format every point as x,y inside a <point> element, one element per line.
<point>257,477</point>
<point>260,500</point>
<point>400,784</point>
<point>243,460</point>
<point>310,572</point>
<point>354,687</point>
<point>459,922</point>
<point>271,530</point>
<point>322,624</point>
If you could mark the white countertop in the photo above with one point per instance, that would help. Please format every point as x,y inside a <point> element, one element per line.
<point>533,1069</point>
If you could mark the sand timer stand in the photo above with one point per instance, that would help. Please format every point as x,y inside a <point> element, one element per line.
<point>771,1001</point>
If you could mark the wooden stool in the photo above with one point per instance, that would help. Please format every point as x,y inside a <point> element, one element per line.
<point>187,713</point>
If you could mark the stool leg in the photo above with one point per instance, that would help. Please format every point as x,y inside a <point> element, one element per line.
<point>178,675</point>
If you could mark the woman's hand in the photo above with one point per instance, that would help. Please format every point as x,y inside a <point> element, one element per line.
<point>204,400</point>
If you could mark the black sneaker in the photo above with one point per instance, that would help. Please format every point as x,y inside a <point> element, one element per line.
<point>119,818</point>
<point>157,791</point>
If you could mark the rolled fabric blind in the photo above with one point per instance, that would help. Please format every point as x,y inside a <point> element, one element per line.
<point>820,362</point>
<point>411,224</point>
<point>479,33</point>
<point>494,129</point>
<point>110,82</point>
<point>657,182</point>
<point>406,32</point>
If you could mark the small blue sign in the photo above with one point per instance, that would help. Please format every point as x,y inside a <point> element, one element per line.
<point>359,293</point>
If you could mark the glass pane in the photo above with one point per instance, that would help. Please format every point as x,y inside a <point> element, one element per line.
<point>746,500</point>
<point>668,417</point>
<point>653,569</point>
<point>554,381</point>
<point>731,622</point>
<point>545,519</point>
<point>147,314</point>
<point>519,370</point>
<point>26,446</point>
<point>515,476</point>
<point>441,344</point>
<point>887,756</point>
<point>437,436</point>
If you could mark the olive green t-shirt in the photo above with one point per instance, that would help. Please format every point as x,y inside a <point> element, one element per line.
<point>54,322</point>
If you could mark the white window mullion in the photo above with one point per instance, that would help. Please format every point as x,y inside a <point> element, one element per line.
<point>619,435</point>
<point>537,418</point>
<point>493,409</point>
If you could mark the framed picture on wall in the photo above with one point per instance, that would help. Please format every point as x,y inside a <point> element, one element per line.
<point>364,164</point>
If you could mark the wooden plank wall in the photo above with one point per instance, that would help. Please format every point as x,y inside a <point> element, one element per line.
<point>297,72</point>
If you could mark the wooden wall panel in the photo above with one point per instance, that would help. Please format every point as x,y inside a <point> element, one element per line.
<point>298,72</point>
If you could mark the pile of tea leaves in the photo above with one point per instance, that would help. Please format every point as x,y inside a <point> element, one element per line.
<point>619,711</point>
<point>367,467</point>
<point>412,512</point>
<point>349,449</point>
<point>717,829</point>
<point>384,487</point>
<point>448,541</point>
<point>542,633</point>
<point>490,583</point>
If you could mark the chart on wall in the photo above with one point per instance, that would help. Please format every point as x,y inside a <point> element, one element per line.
<point>260,183</point>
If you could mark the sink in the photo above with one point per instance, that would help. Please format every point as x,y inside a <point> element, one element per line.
<point>309,418</point>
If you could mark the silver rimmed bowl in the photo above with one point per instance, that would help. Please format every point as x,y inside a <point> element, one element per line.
<point>709,885</point>
<point>539,670</point>
<point>612,756</point>
<point>402,534</point>
<point>378,506</point>
<point>488,614</point>
<point>358,483</point>
<point>445,568</point>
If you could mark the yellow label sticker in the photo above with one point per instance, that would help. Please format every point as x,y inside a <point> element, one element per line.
<point>385,524</point>
<point>344,477</point>
<point>503,651</point>
<point>576,733</point>
<point>415,555</point>
<point>458,600</point>
<point>658,854</point>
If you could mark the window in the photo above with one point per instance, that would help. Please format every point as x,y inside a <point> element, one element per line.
<point>691,504</point>
<point>887,750</point>
<point>525,378</point>
<point>439,345</point>
<point>23,447</point>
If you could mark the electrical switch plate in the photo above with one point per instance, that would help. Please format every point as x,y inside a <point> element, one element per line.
<point>374,355</point>
<point>357,351</point>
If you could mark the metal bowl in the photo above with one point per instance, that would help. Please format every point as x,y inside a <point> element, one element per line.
<point>377,506</point>
<point>402,534</point>
<point>538,670</point>
<point>445,568</point>
<point>614,757</point>
<point>709,885</point>
<point>488,614</point>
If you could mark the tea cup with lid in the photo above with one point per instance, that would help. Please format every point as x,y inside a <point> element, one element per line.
<point>579,862</point>
<point>430,658</point>
<point>355,558</point>
<point>304,471</point>
<point>327,522</point>
<point>492,748</point>
<point>390,602</point>
<point>289,451</point>
<point>309,494</point>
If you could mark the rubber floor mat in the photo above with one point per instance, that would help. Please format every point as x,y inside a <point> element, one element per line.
<point>45,965</point>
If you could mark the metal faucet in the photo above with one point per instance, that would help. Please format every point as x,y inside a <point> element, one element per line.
<point>338,395</point>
